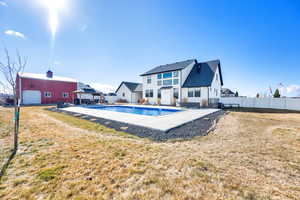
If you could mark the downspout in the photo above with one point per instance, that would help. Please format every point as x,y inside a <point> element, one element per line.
<point>208,95</point>
<point>180,100</point>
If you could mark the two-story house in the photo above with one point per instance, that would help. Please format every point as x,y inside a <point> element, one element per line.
<point>186,82</point>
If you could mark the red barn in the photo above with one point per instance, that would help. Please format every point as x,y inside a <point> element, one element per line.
<point>45,88</point>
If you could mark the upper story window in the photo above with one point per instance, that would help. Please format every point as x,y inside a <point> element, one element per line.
<point>47,94</point>
<point>123,94</point>
<point>167,82</point>
<point>159,83</point>
<point>198,92</point>
<point>148,79</point>
<point>175,74</point>
<point>217,77</point>
<point>65,95</point>
<point>159,76</point>
<point>167,75</point>
<point>175,81</point>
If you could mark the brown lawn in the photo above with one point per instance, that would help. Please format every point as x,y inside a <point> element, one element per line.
<point>248,156</point>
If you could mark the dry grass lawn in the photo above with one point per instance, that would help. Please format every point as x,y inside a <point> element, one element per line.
<point>248,156</point>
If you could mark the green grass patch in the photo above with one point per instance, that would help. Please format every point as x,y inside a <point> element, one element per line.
<point>50,173</point>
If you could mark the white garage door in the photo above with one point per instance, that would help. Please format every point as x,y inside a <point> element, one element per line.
<point>31,97</point>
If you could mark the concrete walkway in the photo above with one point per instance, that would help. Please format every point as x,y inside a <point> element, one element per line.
<point>162,123</point>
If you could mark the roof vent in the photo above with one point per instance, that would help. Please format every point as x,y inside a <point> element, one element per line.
<point>49,74</point>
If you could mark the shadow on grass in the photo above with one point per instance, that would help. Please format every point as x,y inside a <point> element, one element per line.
<point>262,110</point>
<point>6,164</point>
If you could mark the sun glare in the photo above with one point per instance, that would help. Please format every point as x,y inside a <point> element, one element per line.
<point>54,7</point>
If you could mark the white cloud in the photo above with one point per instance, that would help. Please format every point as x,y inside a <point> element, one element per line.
<point>290,90</point>
<point>83,27</point>
<point>3,3</point>
<point>15,33</point>
<point>103,87</point>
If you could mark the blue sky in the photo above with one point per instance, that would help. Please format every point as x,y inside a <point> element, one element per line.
<point>106,42</point>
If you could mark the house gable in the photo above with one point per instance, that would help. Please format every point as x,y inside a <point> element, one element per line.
<point>203,74</point>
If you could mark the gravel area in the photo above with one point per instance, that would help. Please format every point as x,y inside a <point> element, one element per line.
<point>199,127</point>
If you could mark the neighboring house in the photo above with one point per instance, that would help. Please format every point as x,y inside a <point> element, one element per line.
<point>44,88</point>
<point>188,81</point>
<point>227,93</point>
<point>111,97</point>
<point>131,92</point>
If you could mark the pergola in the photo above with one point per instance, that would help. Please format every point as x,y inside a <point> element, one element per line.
<point>81,92</point>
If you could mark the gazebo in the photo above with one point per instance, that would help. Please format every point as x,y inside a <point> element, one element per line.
<point>85,91</point>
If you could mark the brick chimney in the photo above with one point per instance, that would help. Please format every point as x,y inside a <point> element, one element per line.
<point>49,74</point>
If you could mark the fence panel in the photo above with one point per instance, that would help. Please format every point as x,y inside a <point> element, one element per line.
<point>274,103</point>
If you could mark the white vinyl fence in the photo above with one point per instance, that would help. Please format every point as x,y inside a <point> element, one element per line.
<point>273,103</point>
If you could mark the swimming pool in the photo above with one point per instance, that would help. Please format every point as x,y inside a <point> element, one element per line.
<point>136,110</point>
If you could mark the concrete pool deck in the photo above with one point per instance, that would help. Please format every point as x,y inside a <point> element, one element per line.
<point>163,123</point>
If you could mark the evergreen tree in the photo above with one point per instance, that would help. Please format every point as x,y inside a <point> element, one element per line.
<point>276,94</point>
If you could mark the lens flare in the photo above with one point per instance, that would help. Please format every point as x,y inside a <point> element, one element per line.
<point>54,7</point>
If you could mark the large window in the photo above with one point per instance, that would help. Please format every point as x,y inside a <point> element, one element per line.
<point>149,93</point>
<point>175,81</point>
<point>197,93</point>
<point>158,76</point>
<point>176,93</point>
<point>167,75</point>
<point>48,94</point>
<point>159,83</point>
<point>190,92</point>
<point>149,79</point>
<point>167,82</point>
<point>175,74</point>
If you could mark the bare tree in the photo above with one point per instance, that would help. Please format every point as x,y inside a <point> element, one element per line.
<point>10,70</point>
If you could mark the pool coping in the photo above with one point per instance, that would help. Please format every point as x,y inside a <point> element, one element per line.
<point>199,127</point>
<point>162,122</point>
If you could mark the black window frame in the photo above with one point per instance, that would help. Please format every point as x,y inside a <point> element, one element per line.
<point>197,93</point>
<point>191,91</point>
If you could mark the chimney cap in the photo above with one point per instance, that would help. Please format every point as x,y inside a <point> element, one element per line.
<point>49,74</point>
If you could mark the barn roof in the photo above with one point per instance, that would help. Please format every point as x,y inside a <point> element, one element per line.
<point>44,77</point>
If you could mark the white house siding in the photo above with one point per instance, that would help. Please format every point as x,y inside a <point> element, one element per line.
<point>200,100</point>
<point>182,75</point>
<point>215,86</point>
<point>127,93</point>
<point>130,97</point>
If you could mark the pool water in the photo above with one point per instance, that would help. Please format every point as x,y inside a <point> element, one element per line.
<point>136,110</point>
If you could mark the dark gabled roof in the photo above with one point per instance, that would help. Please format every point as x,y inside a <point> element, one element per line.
<point>226,91</point>
<point>202,74</point>
<point>133,87</point>
<point>169,67</point>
